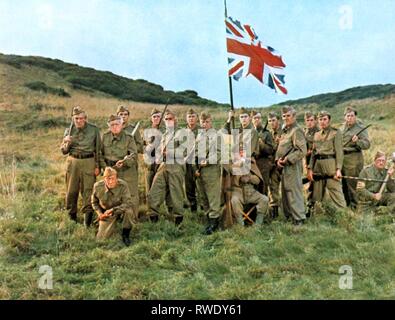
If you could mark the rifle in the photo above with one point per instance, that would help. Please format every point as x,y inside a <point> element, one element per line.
<point>359,132</point>
<point>135,128</point>
<point>387,176</point>
<point>284,156</point>
<point>318,177</point>
<point>70,128</point>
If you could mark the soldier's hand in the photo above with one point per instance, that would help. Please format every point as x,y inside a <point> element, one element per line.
<point>119,164</point>
<point>281,162</point>
<point>338,175</point>
<point>310,175</point>
<point>391,171</point>
<point>203,163</point>
<point>355,139</point>
<point>377,196</point>
<point>97,171</point>
<point>67,139</point>
<point>245,179</point>
<point>231,115</point>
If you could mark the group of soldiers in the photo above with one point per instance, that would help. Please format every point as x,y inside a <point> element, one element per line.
<point>280,152</point>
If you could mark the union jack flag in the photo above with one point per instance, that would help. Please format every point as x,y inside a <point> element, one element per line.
<point>248,56</point>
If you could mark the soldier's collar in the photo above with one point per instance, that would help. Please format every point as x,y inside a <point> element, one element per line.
<point>118,137</point>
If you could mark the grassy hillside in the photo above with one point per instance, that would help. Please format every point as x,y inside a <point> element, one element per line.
<point>276,261</point>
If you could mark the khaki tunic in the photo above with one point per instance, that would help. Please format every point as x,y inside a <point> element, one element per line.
<point>366,190</point>
<point>275,176</point>
<point>309,135</point>
<point>190,178</point>
<point>327,157</point>
<point>264,159</point>
<point>117,199</point>
<point>254,139</point>
<point>353,159</point>
<point>115,148</point>
<point>291,177</point>
<point>83,157</point>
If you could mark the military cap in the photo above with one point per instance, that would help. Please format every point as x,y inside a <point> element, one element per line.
<point>113,117</point>
<point>350,109</point>
<point>205,116</point>
<point>108,172</point>
<point>170,112</point>
<point>309,114</point>
<point>243,111</point>
<point>324,113</point>
<point>122,109</point>
<point>287,109</point>
<point>77,110</point>
<point>191,111</point>
<point>155,111</point>
<point>379,154</point>
<point>255,113</point>
<point>273,115</point>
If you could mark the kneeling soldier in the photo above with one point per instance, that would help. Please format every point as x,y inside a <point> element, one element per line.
<point>369,191</point>
<point>111,201</point>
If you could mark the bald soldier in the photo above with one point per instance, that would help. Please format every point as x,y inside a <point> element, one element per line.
<point>208,172</point>
<point>289,159</point>
<point>275,176</point>
<point>112,202</point>
<point>264,158</point>
<point>326,161</point>
<point>369,191</point>
<point>119,151</point>
<point>190,179</point>
<point>82,145</point>
<point>353,144</point>
<point>170,177</point>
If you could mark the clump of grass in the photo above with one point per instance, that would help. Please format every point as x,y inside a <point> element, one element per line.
<point>43,87</point>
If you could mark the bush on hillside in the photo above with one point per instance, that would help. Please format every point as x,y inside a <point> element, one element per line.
<point>43,87</point>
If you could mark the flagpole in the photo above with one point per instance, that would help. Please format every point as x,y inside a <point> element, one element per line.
<point>230,78</point>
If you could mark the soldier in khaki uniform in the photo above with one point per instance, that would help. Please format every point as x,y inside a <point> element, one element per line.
<point>118,150</point>
<point>326,161</point>
<point>275,176</point>
<point>244,191</point>
<point>289,158</point>
<point>111,202</point>
<point>170,177</point>
<point>190,179</point>
<point>208,172</point>
<point>368,191</point>
<point>353,157</point>
<point>82,145</point>
<point>264,158</point>
<point>311,128</point>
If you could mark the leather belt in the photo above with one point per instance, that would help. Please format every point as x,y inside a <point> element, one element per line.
<point>82,156</point>
<point>322,157</point>
<point>352,151</point>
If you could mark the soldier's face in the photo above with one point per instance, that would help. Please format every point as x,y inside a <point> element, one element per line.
<point>206,124</point>
<point>244,119</point>
<point>350,118</point>
<point>111,181</point>
<point>79,120</point>
<point>257,120</point>
<point>324,122</point>
<point>289,118</point>
<point>310,122</point>
<point>274,123</point>
<point>155,118</point>
<point>192,120</point>
<point>170,121</point>
<point>124,115</point>
<point>115,127</point>
<point>380,162</point>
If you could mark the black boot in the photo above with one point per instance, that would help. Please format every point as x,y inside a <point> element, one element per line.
<point>274,212</point>
<point>154,218</point>
<point>178,220</point>
<point>126,237</point>
<point>310,210</point>
<point>73,216</point>
<point>212,226</point>
<point>194,208</point>
<point>88,217</point>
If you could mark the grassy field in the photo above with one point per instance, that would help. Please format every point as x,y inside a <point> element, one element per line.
<point>276,261</point>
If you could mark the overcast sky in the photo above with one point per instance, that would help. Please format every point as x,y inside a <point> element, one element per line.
<point>326,45</point>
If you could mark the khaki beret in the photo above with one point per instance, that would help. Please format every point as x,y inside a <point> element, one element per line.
<point>287,109</point>
<point>170,112</point>
<point>191,111</point>
<point>350,109</point>
<point>273,115</point>
<point>77,110</point>
<point>205,116</point>
<point>309,114</point>
<point>108,172</point>
<point>324,113</point>
<point>113,117</point>
<point>155,111</point>
<point>243,111</point>
<point>379,154</point>
<point>122,109</point>
<point>255,113</point>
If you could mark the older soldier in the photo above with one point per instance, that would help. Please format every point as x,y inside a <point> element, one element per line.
<point>82,145</point>
<point>311,128</point>
<point>111,202</point>
<point>353,144</point>
<point>326,163</point>
<point>245,190</point>
<point>289,158</point>
<point>119,151</point>
<point>208,172</point>
<point>170,177</point>
<point>369,191</point>
<point>275,176</point>
<point>264,159</point>
<point>190,179</point>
